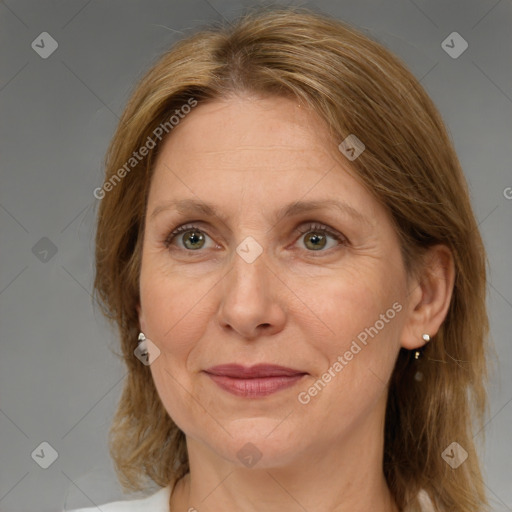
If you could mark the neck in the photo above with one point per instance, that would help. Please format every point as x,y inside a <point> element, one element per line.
<point>271,495</point>
<point>339,476</point>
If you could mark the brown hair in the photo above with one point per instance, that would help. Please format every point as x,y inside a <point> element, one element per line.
<point>357,87</point>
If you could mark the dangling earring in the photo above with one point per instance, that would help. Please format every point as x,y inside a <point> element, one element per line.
<point>418,352</point>
<point>142,352</point>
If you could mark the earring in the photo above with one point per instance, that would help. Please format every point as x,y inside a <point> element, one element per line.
<point>141,344</point>
<point>418,352</point>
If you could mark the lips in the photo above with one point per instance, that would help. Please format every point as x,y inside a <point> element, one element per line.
<point>256,381</point>
<point>237,371</point>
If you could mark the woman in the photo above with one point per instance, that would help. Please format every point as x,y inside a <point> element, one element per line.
<point>286,243</point>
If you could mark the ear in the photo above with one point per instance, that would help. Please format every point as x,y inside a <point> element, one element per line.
<point>430,293</point>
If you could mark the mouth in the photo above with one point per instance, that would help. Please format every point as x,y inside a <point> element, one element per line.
<point>255,381</point>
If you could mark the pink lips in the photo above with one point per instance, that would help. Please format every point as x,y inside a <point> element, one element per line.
<point>257,381</point>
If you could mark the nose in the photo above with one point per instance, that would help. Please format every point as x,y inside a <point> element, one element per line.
<point>251,302</point>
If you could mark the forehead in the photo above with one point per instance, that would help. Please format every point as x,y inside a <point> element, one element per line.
<point>240,131</point>
<point>253,153</point>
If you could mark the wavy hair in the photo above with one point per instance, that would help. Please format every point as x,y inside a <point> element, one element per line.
<point>410,166</point>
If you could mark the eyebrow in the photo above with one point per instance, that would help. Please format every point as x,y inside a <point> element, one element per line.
<point>192,206</point>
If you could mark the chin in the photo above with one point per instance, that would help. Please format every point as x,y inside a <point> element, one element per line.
<point>259,443</point>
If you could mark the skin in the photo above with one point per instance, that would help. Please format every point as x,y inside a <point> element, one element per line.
<point>293,306</point>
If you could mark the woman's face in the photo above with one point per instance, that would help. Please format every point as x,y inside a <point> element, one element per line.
<point>303,271</point>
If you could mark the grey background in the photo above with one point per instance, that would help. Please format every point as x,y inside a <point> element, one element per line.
<point>59,381</point>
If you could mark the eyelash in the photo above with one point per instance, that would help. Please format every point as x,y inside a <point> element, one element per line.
<point>313,227</point>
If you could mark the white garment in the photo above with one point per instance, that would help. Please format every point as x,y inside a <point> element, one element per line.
<point>159,502</point>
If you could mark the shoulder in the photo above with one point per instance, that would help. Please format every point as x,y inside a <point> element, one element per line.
<point>157,502</point>
<point>424,503</point>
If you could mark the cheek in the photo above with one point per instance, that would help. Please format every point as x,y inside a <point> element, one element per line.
<point>363,319</point>
<point>175,319</point>
<point>362,315</point>
<point>177,309</point>
<point>349,303</point>
<point>173,306</point>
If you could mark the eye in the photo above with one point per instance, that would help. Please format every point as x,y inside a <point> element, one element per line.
<point>192,238</point>
<point>316,237</point>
